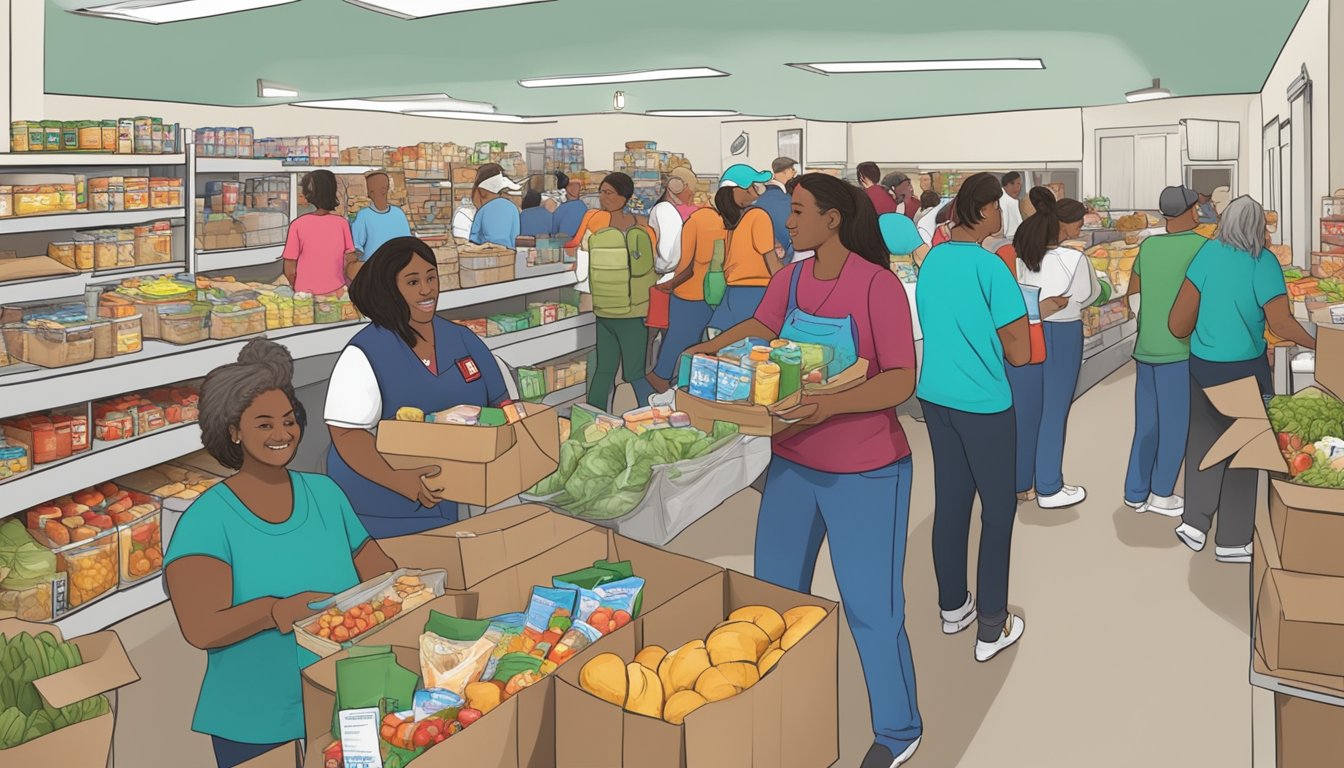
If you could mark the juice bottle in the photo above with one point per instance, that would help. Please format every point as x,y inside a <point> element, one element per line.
<point>766,386</point>
<point>789,358</point>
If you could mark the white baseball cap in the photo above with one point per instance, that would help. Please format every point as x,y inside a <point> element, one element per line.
<point>497,184</point>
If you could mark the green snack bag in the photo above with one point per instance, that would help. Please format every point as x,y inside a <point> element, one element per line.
<point>492,417</point>
<point>454,628</point>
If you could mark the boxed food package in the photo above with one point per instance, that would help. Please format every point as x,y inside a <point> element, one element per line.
<point>48,437</point>
<point>761,420</point>
<point>482,465</point>
<point>1306,731</point>
<point>104,667</point>
<point>798,687</point>
<point>367,608</point>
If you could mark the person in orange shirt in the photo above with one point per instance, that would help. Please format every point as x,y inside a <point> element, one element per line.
<point>751,256</point>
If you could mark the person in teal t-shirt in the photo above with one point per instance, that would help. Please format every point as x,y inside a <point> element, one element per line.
<point>1232,291</point>
<point>252,553</point>
<point>974,320</point>
<point>380,221</point>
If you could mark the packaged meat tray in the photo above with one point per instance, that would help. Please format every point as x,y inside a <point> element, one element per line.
<point>366,607</point>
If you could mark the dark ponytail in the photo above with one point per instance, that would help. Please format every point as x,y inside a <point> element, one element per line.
<point>728,209</point>
<point>858,219</point>
<point>1040,232</point>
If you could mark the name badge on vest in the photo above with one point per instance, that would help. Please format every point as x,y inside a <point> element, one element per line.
<point>468,368</point>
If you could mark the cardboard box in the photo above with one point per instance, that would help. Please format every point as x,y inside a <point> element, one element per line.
<point>480,547</point>
<point>789,719</point>
<point>1300,622</point>
<point>474,278</point>
<point>760,420</point>
<point>1308,522</point>
<point>1308,734</point>
<point>106,668</point>
<point>478,465</point>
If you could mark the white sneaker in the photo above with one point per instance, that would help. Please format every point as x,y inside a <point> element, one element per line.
<point>1233,554</point>
<point>666,399</point>
<point>1137,506</point>
<point>1191,537</point>
<point>880,756</point>
<point>1068,496</point>
<point>1166,506</point>
<point>905,756</point>
<point>1012,632</point>
<point>963,617</point>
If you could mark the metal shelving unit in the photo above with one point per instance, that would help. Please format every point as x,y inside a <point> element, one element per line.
<point>90,159</point>
<point>57,222</point>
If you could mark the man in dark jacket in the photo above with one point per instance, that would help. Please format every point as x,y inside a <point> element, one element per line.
<point>776,202</point>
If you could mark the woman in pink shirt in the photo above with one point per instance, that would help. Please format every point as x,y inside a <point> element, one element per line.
<point>319,251</point>
<point>844,471</point>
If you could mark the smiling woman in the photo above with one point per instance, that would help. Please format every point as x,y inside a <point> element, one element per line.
<point>407,357</point>
<point>253,552</point>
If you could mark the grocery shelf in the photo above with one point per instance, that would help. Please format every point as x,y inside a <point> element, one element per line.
<point>1280,686</point>
<point>536,345</point>
<point>212,261</point>
<point>76,159</point>
<point>566,396</point>
<point>466,297</point>
<point>268,165</point>
<point>1115,349</point>
<point>63,221</point>
<point>72,286</point>
<point>118,606</point>
<point>103,461</point>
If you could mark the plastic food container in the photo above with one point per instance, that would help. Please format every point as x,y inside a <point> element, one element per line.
<point>242,322</point>
<point>183,323</point>
<point>90,568</point>
<point>42,602</point>
<point>140,542</point>
<point>327,310</point>
<point>49,345</point>
<point>13,460</point>
<point>398,586</point>
<point>104,339</point>
<point>127,334</point>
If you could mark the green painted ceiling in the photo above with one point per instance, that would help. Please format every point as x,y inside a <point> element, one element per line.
<point>1094,51</point>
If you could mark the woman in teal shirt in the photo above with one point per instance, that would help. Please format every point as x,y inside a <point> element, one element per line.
<point>252,552</point>
<point>1232,290</point>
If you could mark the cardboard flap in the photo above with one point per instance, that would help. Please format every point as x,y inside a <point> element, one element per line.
<point>1330,358</point>
<point>1250,441</point>
<point>543,429</point>
<point>1310,599</point>
<point>1305,497</point>
<point>106,667</point>
<point>1238,399</point>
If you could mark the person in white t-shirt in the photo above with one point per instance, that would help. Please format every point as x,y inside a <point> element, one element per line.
<point>1011,203</point>
<point>1043,393</point>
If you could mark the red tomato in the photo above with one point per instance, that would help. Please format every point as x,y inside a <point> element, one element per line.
<point>1283,441</point>
<point>621,618</point>
<point>468,716</point>
<point>1301,463</point>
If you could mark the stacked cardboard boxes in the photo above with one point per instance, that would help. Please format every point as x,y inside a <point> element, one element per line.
<point>445,257</point>
<point>485,264</point>
<point>429,208</point>
<point>563,156</point>
<point>1297,572</point>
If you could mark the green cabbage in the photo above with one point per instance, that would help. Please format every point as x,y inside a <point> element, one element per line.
<point>27,562</point>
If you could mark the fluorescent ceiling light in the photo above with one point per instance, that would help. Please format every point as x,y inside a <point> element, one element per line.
<point>268,90</point>
<point>1155,91</point>
<point>641,76</point>
<point>419,9</point>
<point>416,103</point>
<point>949,65</point>
<point>692,112</point>
<point>487,118</point>
<point>167,11</point>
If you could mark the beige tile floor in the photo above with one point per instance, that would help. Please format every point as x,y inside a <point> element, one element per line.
<point>1135,652</point>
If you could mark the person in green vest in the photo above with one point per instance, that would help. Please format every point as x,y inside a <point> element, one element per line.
<point>615,264</point>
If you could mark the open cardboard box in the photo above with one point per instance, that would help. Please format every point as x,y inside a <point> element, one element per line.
<point>789,719</point>
<point>762,420</point>
<point>478,465</point>
<point>106,668</point>
<point>1308,523</point>
<point>472,550</point>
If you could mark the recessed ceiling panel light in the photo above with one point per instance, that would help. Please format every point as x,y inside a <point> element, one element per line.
<point>1155,91</point>
<point>268,90</point>
<point>417,103</point>
<point>641,76</point>
<point>419,9</point>
<point>692,112</point>
<point>487,118</point>
<point>948,65</point>
<point>167,11</point>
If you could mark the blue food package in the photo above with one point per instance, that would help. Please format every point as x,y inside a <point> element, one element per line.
<point>704,377</point>
<point>433,701</point>
<point>684,371</point>
<point>734,383</point>
<point>619,595</point>
<point>546,604</point>
<point>741,350</point>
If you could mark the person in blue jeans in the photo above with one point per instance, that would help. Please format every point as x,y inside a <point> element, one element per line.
<point>975,325</point>
<point>844,471</point>
<point>1043,393</point>
<point>250,555</point>
<point>1162,361</point>
<point>1233,289</point>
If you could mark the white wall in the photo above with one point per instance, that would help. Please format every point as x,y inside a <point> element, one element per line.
<point>1012,138</point>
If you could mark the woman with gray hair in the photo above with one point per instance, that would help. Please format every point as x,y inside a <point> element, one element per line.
<point>252,553</point>
<point>1232,290</point>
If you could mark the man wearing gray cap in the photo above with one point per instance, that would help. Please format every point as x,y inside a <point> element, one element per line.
<point>1162,361</point>
<point>902,191</point>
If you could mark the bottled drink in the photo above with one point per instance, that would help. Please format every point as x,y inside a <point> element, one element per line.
<point>715,284</point>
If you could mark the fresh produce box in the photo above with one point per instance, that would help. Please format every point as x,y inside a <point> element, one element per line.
<point>692,692</point>
<point>480,547</point>
<point>366,607</point>
<point>58,713</point>
<point>31,587</point>
<point>483,465</point>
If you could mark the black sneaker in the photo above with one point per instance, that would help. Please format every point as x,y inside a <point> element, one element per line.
<point>880,757</point>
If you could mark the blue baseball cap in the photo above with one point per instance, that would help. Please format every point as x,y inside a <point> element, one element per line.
<point>743,176</point>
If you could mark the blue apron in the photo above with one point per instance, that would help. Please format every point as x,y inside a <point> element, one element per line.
<point>404,381</point>
<point>838,333</point>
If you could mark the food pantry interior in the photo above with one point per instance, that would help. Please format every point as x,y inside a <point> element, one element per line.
<point>577,207</point>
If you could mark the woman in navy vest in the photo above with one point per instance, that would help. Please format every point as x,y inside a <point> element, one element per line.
<point>407,357</point>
